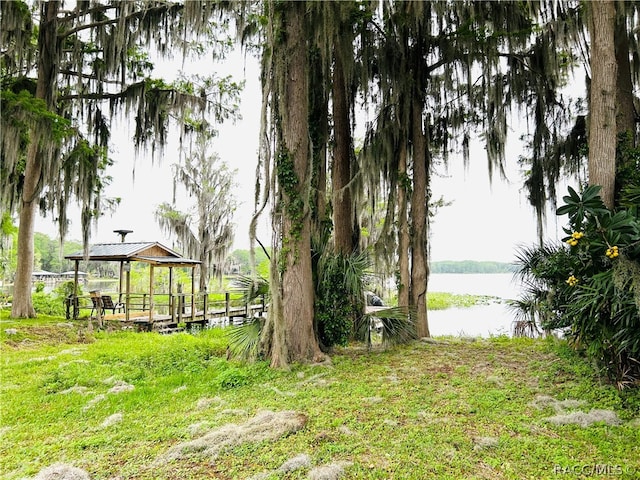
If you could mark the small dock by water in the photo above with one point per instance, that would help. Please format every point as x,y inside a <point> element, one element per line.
<point>170,313</point>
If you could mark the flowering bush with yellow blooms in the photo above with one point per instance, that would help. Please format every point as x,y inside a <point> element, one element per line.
<point>572,281</point>
<point>575,236</point>
<point>612,252</point>
<point>590,287</point>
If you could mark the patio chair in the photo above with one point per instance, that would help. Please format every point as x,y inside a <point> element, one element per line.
<point>107,304</point>
<point>94,301</point>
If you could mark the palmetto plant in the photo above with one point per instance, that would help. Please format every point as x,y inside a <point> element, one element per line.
<point>591,286</point>
<point>542,272</point>
<point>339,290</point>
<point>393,324</point>
<point>340,313</point>
<point>244,340</point>
<point>251,287</point>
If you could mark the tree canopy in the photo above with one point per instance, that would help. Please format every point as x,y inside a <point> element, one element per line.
<point>66,74</point>
<point>206,231</point>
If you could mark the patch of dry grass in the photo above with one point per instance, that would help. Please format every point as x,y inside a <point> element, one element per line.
<point>265,426</point>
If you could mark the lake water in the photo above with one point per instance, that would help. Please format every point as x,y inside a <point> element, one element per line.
<point>478,321</point>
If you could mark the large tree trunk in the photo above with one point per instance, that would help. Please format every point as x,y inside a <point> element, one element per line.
<point>22,306</point>
<point>403,227</point>
<point>341,168</point>
<point>602,127</point>
<point>419,199</point>
<point>318,132</point>
<point>203,282</point>
<point>297,278</point>
<point>625,113</point>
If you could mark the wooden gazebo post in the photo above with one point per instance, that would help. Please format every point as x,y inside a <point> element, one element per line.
<point>172,310</point>
<point>127,269</point>
<point>122,233</point>
<point>74,298</point>
<point>193,293</point>
<point>151,302</point>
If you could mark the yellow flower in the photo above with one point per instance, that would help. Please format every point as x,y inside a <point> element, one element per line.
<point>612,252</point>
<point>572,281</point>
<point>577,235</point>
<point>572,241</point>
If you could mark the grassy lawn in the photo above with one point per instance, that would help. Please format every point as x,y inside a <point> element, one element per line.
<point>125,405</point>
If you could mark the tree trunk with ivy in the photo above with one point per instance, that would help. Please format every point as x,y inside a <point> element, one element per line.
<point>403,227</point>
<point>602,101</point>
<point>292,322</point>
<point>22,305</point>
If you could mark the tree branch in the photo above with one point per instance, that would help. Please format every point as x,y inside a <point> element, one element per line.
<point>74,14</point>
<point>88,76</point>
<point>134,15</point>
<point>436,65</point>
<point>102,96</point>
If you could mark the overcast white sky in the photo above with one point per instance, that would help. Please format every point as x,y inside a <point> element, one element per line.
<point>487,221</point>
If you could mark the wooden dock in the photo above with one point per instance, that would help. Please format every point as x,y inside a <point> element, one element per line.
<point>200,319</point>
<point>181,318</point>
<point>169,313</point>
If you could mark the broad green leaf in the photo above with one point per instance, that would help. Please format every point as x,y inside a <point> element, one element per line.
<point>564,209</point>
<point>590,192</point>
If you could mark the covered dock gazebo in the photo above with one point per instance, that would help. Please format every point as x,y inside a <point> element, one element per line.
<point>152,253</point>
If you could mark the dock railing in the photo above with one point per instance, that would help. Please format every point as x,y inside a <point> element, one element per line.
<point>217,308</point>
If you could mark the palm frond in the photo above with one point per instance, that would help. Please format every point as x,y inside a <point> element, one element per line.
<point>526,311</point>
<point>244,340</point>
<point>251,287</point>
<point>394,324</point>
<point>530,258</point>
<point>351,267</point>
<point>397,325</point>
<point>631,196</point>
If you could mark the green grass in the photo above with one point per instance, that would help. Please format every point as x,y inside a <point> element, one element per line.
<point>443,300</point>
<point>414,412</point>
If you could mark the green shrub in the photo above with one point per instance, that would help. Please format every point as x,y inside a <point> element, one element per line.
<point>47,304</point>
<point>66,288</point>
<point>233,377</point>
<point>339,296</point>
<point>590,286</point>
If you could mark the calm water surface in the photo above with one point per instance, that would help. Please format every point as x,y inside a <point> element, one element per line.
<point>479,321</point>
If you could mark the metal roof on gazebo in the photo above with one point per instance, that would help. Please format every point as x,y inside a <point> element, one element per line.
<point>167,261</point>
<point>149,252</point>
<point>43,273</point>
<point>71,273</point>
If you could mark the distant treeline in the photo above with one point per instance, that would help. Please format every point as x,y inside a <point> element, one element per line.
<point>471,266</point>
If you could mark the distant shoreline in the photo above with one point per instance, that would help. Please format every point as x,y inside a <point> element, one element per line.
<point>472,266</point>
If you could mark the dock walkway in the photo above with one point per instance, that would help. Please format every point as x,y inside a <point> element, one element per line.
<point>199,319</point>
